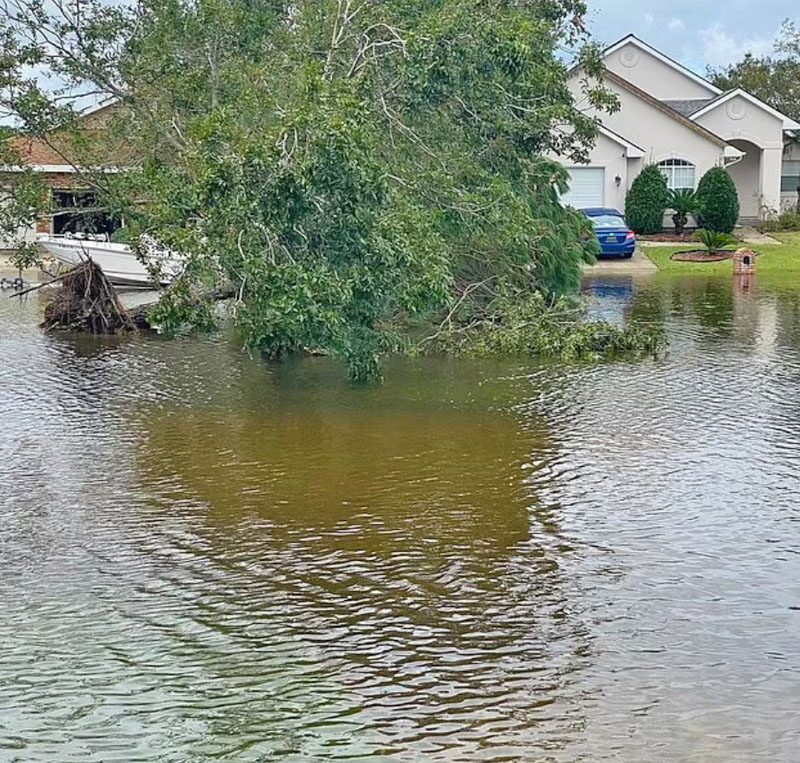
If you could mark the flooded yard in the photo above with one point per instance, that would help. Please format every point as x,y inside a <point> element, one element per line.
<point>208,557</point>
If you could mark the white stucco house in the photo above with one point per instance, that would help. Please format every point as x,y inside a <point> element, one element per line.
<point>676,119</point>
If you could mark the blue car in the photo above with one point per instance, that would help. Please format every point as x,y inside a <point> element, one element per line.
<point>615,237</point>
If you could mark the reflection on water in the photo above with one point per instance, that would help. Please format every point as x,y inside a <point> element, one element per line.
<point>609,297</point>
<point>209,558</point>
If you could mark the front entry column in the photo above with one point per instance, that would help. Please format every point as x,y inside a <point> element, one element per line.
<point>770,178</point>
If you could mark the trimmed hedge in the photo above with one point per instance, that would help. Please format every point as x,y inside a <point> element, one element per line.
<point>718,201</point>
<point>646,201</point>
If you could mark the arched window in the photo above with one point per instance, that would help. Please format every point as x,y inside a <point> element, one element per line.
<point>678,172</point>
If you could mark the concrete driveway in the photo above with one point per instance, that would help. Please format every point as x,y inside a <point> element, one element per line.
<point>639,263</point>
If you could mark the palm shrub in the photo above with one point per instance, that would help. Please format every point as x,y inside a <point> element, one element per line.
<point>646,201</point>
<point>718,201</point>
<point>683,202</point>
<point>713,240</point>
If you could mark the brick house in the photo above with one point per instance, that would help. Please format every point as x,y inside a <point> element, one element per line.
<point>71,195</point>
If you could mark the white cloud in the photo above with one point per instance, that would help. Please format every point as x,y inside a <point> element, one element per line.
<point>649,20</point>
<point>676,25</point>
<point>722,49</point>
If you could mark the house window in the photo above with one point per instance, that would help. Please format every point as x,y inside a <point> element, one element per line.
<point>80,211</point>
<point>790,177</point>
<point>678,172</point>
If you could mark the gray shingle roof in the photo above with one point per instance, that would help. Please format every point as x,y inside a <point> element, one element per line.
<point>688,106</point>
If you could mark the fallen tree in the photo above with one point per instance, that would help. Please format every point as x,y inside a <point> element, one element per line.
<point>350,168</point>
<point>515,324</point>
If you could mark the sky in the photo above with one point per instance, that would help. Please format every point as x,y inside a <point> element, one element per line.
<point>697,33</point>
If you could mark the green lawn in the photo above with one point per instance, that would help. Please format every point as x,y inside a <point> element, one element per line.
<point>777,265</point>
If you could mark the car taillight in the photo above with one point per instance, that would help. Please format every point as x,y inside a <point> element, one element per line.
<point>631,235</point>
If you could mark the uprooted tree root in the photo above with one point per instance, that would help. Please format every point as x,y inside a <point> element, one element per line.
<point>86,301</point>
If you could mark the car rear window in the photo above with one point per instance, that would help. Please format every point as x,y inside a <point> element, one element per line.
<point>608,221</point>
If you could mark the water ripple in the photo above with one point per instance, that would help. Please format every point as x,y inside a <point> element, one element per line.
<point>208,558</point>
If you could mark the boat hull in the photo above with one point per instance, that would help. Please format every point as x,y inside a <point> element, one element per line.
<point>117,261</point>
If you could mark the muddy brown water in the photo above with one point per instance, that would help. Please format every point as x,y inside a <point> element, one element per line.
<point>206,557</point>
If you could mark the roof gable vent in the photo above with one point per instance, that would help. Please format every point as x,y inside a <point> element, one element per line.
<point>629,57</point>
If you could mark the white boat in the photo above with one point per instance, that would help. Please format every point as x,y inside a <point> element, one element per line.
<point>118,262</point>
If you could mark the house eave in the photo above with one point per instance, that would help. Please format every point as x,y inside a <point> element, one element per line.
<point>632,151</point>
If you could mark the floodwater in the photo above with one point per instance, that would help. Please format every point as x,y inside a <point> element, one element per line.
<point>206,557</point>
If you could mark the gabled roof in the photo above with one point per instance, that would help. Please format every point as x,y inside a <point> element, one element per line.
<point>788,122</point>
<point>633,151</point>
<point>642,45</point>
<point>696,107</point>
<point>664,108</point>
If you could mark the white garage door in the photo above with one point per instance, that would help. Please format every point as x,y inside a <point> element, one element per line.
<point>585,187</point>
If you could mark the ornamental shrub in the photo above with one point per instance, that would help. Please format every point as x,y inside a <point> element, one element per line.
<point>646,201</point>
<point>714,241</point>
<point>718,201</point>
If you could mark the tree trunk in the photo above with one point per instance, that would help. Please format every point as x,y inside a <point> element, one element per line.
<point>680,223</point>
